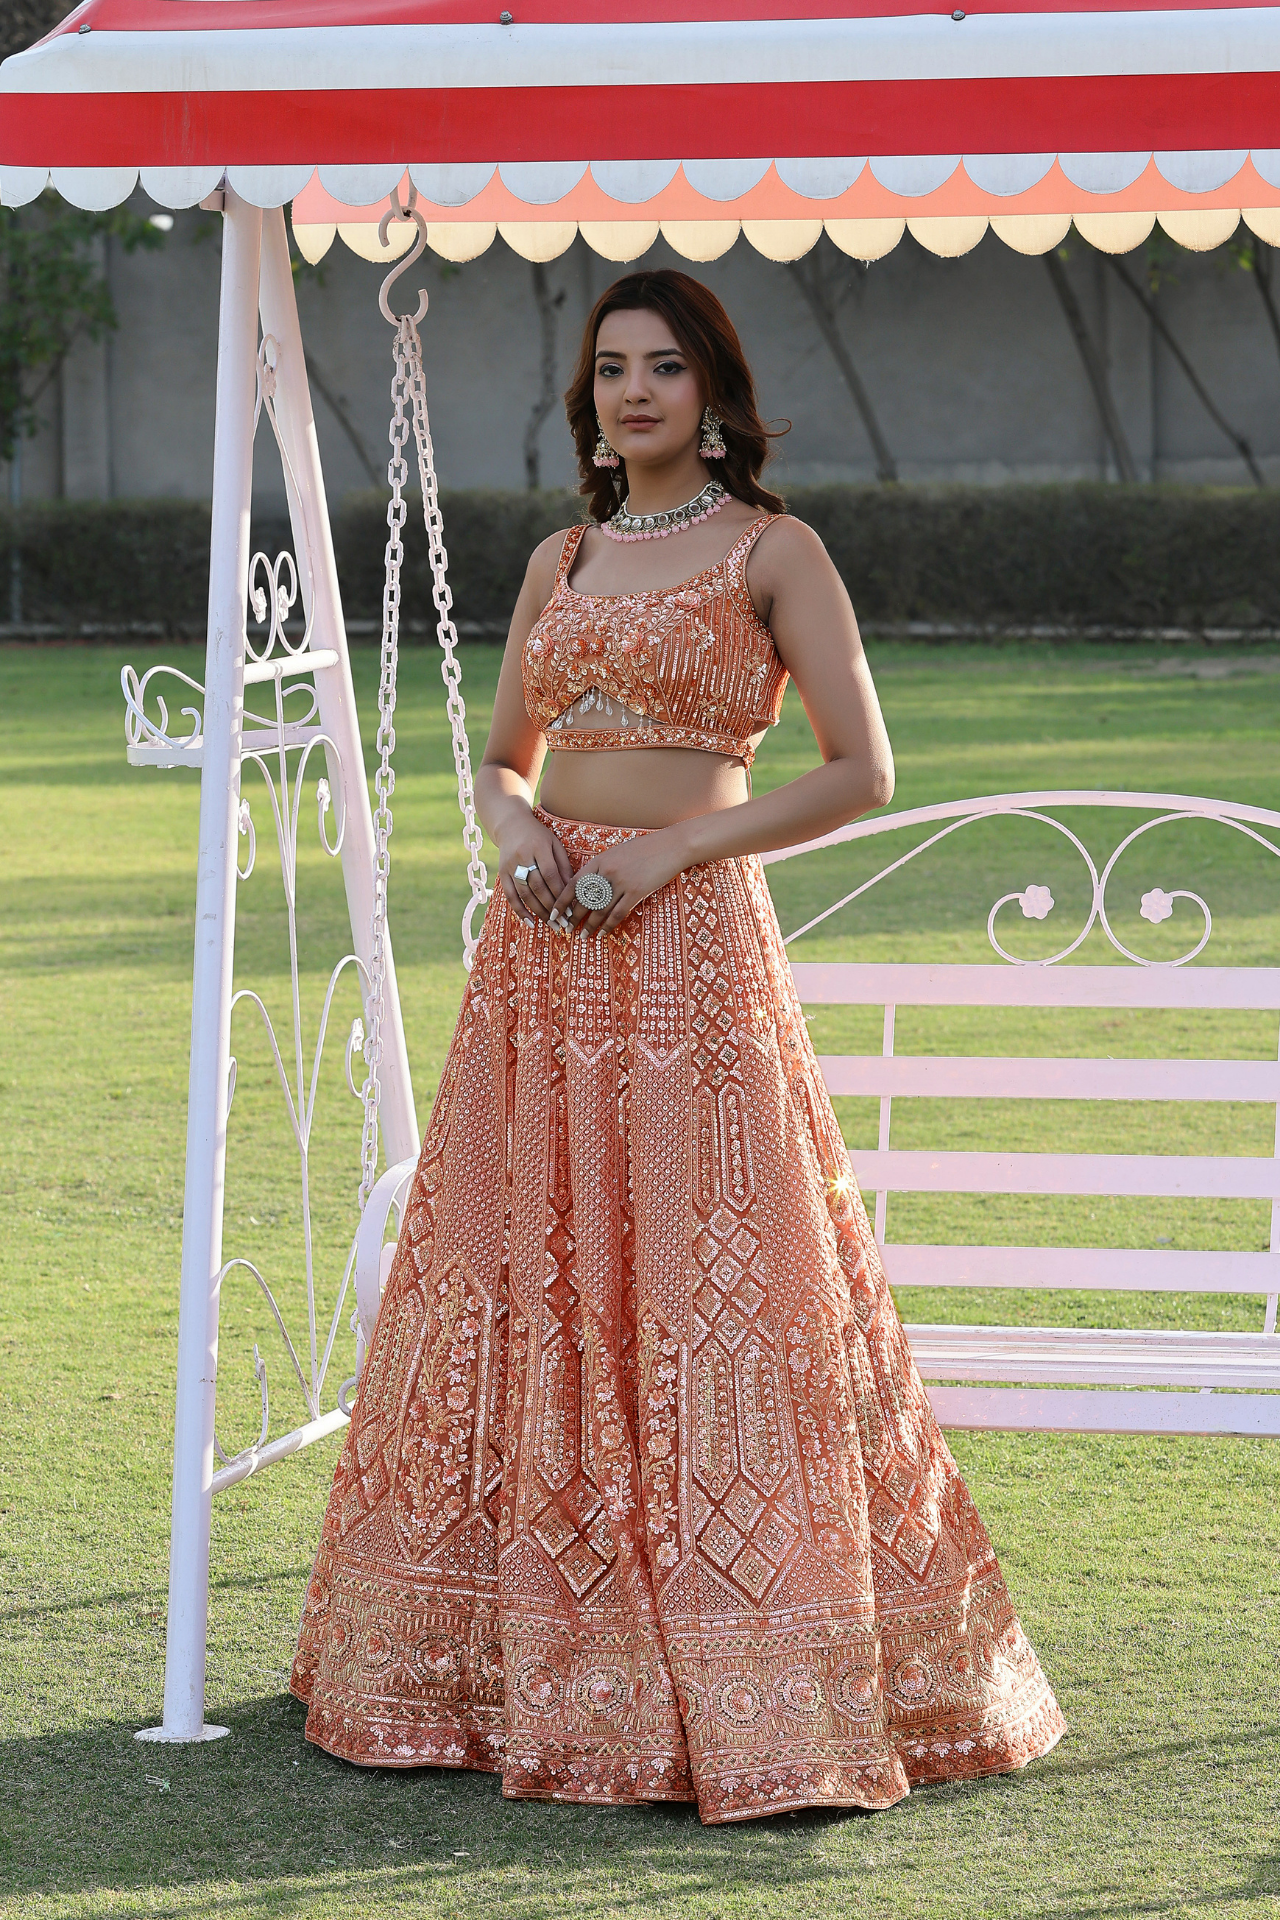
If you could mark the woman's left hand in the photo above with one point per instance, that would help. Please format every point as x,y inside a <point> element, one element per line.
<point>634,869</point>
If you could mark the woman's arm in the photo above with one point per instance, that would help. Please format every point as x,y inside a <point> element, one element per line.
<point>799,592</point>
<point>508,774</point>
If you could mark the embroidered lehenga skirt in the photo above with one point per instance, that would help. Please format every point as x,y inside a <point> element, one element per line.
<point>642,1497</point>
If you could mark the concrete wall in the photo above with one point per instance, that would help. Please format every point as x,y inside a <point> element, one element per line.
<point>970,365</point>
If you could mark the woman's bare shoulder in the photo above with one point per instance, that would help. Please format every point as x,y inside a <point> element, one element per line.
<point>542,571</point>
<point>786,555</point>
<point>540,574</point>
<point>788,542</point>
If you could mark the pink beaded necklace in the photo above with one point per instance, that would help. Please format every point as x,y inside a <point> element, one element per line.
<point>626,525</point>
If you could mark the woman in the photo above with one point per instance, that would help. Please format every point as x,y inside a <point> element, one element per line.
<point>642,1498</point>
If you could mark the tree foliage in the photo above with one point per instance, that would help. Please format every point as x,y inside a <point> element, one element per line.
<point>53,292</point>
<point>25,21</point>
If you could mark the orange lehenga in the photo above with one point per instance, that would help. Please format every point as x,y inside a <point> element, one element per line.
<point>642,1498</point>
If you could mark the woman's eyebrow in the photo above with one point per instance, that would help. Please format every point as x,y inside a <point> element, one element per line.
<point>659,353</point>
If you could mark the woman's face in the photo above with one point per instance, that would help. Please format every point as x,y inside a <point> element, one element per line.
<point>646,392</point>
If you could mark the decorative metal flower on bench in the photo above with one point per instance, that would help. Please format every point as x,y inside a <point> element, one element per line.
<point>1036,902</point>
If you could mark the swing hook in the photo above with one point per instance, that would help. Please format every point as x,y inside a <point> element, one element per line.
<point>397,212</point>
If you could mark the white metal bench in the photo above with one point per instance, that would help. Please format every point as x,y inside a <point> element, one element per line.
<point>1075,1379</point>
<point>1050,1378</point>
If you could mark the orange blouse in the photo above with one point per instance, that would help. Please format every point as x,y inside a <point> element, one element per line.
<point>687,666</point>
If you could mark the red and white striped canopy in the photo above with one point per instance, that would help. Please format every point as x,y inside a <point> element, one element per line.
<point>543,118</point>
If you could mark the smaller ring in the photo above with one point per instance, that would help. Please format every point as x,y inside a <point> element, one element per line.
<point>594,891</point>
<point>521,874</point>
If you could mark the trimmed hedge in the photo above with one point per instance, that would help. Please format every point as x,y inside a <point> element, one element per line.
<point>1083,556</point>
<point>488,536</point>
<point>116,561</point>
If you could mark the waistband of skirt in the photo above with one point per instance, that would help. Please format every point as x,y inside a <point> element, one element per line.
<point>581,839</point>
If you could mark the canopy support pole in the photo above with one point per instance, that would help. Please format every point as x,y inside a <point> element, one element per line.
<point>207,1098</point>
<point>313,544</point>
<point>256,277</point>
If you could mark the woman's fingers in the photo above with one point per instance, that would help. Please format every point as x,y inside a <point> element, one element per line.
<point>517,885</point>
<point>518,906</point>
<point>560,885</point>
<point>566,901</point>
<point>535,896</point>
<point>537,881</point>
<point>568,912</point>
<point>568,908</point>
<point>610,915</point>
<point>564,868</point>
<point>540,893</point>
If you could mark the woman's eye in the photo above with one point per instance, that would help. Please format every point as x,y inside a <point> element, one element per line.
<point>669,366</point>
<point>608,370</point>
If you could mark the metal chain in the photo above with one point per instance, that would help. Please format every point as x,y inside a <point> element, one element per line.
<point>446,634</point>
<point>384,780</point>
<point>408,383</point>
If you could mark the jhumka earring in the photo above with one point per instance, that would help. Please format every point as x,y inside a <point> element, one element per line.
<point>604,455</point>
<point>712,447</point>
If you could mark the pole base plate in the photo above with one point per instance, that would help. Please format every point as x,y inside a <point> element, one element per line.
<point>182,1739</point>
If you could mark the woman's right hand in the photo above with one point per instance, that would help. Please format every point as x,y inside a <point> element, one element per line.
<point>530,845</point>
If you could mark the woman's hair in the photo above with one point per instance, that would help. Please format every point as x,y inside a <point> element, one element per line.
<point>706,336</point>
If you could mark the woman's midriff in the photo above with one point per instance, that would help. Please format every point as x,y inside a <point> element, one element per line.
<point>642,786</point>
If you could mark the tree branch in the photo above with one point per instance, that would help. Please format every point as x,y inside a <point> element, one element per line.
<point>52,370</point>
<point>1157,320</point>
<point>1094,366</point>
<point>343,418</point>
<point>548,305</point>
<point>1261,260</point>
<point>808,276</point>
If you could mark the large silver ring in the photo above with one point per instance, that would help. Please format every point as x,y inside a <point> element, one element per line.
<point>521,874</point>
<point>593,891</point>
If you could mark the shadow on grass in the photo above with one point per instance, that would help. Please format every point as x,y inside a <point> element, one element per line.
<point>95,1811</point>
<point>154,1595</point>
<point>1261,1883</point>
<point>265,1823</point>
<point>1068,1765</point>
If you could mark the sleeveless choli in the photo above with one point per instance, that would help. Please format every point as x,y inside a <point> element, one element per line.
<point>642,1497</point>
<point>688,666</point>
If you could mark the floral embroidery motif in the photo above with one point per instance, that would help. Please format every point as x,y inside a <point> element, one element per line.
<point>435,1457</point>
<point>605,1689</point>
<point>539,1686</point>
<point>643,1498</point>
<point>659,1356</point>
<point>802,1693</point>
<point>739,1701</point>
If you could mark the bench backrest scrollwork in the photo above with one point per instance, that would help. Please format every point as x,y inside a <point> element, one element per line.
<point>1135,982</point>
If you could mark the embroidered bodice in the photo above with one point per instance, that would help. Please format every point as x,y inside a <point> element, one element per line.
<point>686,666</point>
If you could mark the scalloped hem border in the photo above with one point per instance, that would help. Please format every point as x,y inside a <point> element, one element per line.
<point>932,1764</point>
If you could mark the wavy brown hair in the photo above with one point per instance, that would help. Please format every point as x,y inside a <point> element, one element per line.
<point>708,339</point>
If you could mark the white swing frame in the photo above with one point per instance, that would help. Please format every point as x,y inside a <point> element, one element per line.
<point>257,289</point>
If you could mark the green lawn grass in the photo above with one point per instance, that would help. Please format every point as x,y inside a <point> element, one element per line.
<point>1145,1570</point>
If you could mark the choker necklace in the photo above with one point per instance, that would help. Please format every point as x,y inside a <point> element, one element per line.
<point>626,525</point>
